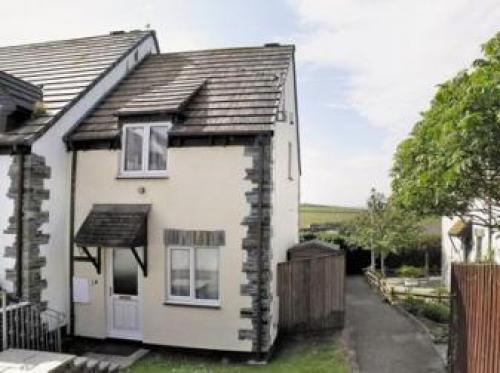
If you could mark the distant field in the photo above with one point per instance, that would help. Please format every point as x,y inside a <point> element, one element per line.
<point>321,214</point>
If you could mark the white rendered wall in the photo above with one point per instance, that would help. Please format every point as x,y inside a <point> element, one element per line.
<point>285,196</point>
<point>52,147</point>
<point>6,211</point>
<point>205,191</point>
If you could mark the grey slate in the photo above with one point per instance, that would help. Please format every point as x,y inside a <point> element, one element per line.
<point>114,225</point>
<point>242,91</point>
<point>66,69</point>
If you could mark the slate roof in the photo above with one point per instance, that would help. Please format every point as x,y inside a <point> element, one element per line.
<point>66,69</point>
<point>241,93</point>
<point>22,93</point>
<point>114,225</point>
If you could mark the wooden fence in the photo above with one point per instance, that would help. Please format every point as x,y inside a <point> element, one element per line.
<point>475,319</point>
<point>311,294</point>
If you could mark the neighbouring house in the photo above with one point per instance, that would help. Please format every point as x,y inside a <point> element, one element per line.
<point>465,242</point>
<point>160,190</point>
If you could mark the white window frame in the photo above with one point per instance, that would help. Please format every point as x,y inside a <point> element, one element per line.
<point>191,299</point>
<point>144,172</point>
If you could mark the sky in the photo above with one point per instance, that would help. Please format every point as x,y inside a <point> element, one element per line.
<point>365,68</point>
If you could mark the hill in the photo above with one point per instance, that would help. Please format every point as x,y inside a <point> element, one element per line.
<point>321,214</point>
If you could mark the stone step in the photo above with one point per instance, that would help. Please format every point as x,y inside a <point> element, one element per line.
<point>91,366</point>
<point>103,367</point>
<point>114,368</point>
<point>79,364</point>
<point>83,364</point>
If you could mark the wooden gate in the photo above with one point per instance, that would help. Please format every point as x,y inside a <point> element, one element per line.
<point>475,319</point>
<point>311,293</point>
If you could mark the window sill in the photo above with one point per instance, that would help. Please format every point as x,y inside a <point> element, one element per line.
<point>144,175</point>
<point>215,306</point>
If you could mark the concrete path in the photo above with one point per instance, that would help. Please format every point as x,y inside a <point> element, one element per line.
<point>385,341</point>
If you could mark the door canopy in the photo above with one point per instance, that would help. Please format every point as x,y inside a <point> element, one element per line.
<point>117,226</point>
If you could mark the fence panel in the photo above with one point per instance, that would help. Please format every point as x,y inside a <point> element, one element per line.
<point>311,293</point>
<point>475,319</point>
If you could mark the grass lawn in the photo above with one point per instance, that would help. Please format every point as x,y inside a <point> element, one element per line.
<point>297,355</point>
<point>320,214</point>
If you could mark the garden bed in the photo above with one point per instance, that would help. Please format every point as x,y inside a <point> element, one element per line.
<point>435,317</point>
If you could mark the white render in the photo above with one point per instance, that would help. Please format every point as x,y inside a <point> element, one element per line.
<point>286,191</point>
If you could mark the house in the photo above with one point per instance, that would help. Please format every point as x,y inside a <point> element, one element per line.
<point>160,190</point>
<point>465,242</point>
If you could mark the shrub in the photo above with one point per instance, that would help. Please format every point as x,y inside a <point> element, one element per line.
<point>414,305</point>
<point>437,312</point>
<point>411,271</point>
<point>434,311</point>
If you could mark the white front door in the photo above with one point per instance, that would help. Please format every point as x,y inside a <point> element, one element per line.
<point>124,295</point>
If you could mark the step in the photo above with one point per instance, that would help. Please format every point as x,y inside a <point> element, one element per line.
<point>79,364</point>
<point>114,368</point>
<point>103,367</point>
<point>91,366</point>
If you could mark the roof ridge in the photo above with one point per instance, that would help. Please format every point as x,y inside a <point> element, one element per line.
<point>49,42</point>
<point>254,47</point>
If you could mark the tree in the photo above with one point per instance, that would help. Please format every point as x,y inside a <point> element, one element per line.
<point>376,204</point>
<point>384,228</point>
<point>450,163</point>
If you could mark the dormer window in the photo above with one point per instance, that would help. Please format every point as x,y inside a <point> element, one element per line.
<point>144,150</point>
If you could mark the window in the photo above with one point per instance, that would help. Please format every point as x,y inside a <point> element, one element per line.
<point>144,150</point>
<point>290,159</point>
<point>193,275</point>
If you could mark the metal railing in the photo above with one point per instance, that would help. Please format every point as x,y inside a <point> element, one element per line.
<point>29,326</point>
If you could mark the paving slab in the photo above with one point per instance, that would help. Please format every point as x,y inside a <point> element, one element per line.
<point>18,360</point>
<point>383,340</point>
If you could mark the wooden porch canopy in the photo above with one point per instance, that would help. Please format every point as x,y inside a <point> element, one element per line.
<point>460,228</point>
<point>115,226</point>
